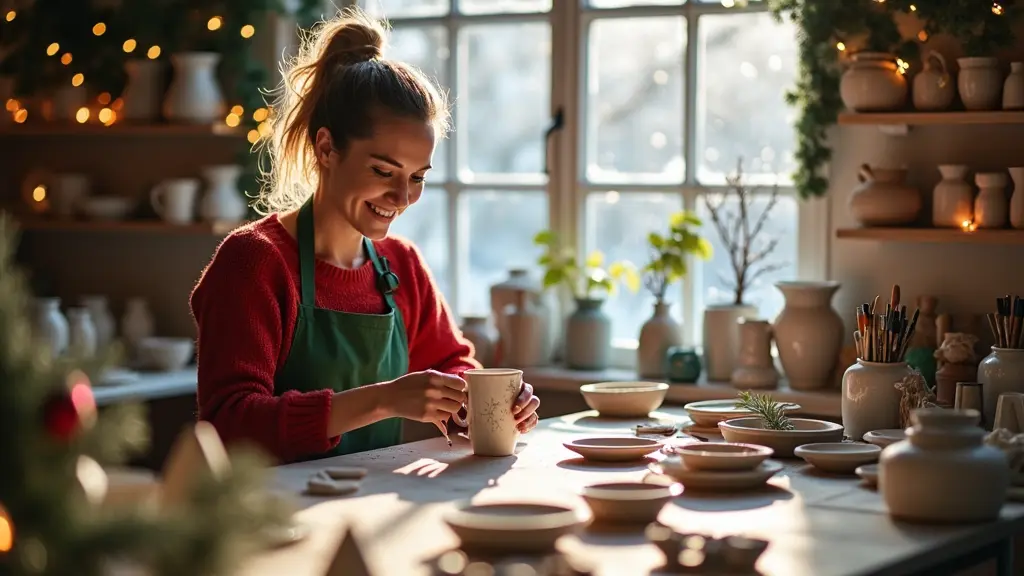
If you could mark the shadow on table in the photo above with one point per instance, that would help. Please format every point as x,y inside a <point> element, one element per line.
<point>583,465</point>
<point>731,502</point>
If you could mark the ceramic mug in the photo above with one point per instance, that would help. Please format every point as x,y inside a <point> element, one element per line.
<point>969,397</point>
<point>67,192</point>
<point>1010,412</point>
<point>491,393</point>
<point>175,200</point>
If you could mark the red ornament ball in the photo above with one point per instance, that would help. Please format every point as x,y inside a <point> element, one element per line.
<point>65,412</point>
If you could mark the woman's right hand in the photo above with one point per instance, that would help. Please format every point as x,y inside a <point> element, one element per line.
<point>427,396</point>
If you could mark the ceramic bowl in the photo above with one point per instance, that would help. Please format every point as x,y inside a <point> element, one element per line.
<point>624,399</point>
<point>868,473</point>
<point>838,457</point>
<point>708,413</point>
<point>109,208</point>
<point>511,527</point>
<point>751,430</point>
<point>614,448</point>
<point>717,480</point>
<point>628,502</point>
<point>166,354</point>
<point>883,438</point>
<point>722,455</point>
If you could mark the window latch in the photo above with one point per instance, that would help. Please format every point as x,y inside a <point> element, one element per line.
<point>557,123</point>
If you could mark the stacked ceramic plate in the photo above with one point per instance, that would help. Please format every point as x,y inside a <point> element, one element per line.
<point>720,466</point>
<point>707,414</point>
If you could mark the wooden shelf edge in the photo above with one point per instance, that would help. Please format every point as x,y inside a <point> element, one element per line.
<point>119,129</point>
<point>958,117</point>
<point>29,224</point>
<point>933,235</point>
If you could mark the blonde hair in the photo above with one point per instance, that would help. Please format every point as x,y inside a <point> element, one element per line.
<point>340,80</point>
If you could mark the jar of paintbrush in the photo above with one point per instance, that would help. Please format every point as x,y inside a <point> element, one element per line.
<point>1003,369</point>
<point>870,399</point>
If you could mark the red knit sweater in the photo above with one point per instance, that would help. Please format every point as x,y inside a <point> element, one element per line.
<point>245,306</point>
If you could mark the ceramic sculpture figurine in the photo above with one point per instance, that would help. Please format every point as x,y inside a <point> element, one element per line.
<point>957,362</point>
<point>914,394</point>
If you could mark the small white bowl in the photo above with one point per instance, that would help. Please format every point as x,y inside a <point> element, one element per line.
<point>628,502</point>
<point>751,430</point>
<point>722,455</point>
<point>838,457</point>
<point>624,399</point>
<point>107,208</point>
<point>166,354</point>
<point>885,437</point>
<point>511,527</point>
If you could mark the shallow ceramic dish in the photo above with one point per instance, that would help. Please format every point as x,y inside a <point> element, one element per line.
<point>107,208</point>
<point>511,527</point>
<point>722,456</point>
<point>717,480</point>
<point>838,457</point>
<point>628,502</point>
<point>883,438</point>
<point>868,473</point>
<point>708,413</point>
<point>751,430</point>
<point>614,448</point>
<point>166,354</point>
<point>624,399</point>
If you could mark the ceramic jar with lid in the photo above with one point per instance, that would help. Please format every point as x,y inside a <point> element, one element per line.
<point>756,369</point>
<point>980,83</point>
<point>933,87</point>
<point>999,372</point>
<point>873,83</point>
<point>870,399</point>
<point>943,472</point>
<point>952,198</point>
<point>883,197</point>
<point>991,208</point>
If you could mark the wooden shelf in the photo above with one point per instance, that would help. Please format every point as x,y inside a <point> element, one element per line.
<point>931,118</point>
<point>933,235</point>
<point>119,129</point>
<point>29,224</point>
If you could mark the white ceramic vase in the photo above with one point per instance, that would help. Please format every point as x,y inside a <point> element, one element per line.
<point>1000,372</point>
<point>943,472</point>
<point>722,339</point>
<point>952,198</point>
<point>755,369</point>
<point>873,83</point>
<point>808,334</point>
<point>194,96</point>
<point>222,201</point>
<point>1017,198</point>
<point>1013,87</point>
<point>870,399</point>
<point>991,208</point>
<point>142,94</point>
<point>477,329</point>
<point>980,83</point>
<point>49,326</point>
<point>102,319</point>
<point>588,336</point>
<point>82,341</point>
<point>657,335</point>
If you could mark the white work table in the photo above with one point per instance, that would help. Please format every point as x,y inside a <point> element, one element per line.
<point>817,525</point>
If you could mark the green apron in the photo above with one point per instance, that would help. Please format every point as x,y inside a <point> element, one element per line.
<point>341,350</point>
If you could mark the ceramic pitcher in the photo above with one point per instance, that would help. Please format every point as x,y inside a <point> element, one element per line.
<point>657,335</point>
<point>144,89</point>
<point>870,398</point>
<point>223,201</point>
<point>808,334</point>
<point>755,369</point>
<point>194,96</point>
<point>873,83</point>
<point>1000,372</point>
<point>883,197</point>
<point>933,87</point>
<point>980,83</point>
<point>952,198</point>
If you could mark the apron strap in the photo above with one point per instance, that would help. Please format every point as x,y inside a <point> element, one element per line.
<point>387,281</point>
<point>307,253</point>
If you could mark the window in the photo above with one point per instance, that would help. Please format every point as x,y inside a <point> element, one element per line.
<point>661,98</point>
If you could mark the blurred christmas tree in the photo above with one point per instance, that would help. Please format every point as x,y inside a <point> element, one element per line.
<point>53,452</point>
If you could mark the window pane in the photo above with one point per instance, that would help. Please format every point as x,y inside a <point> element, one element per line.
<point>507,83</point>
<point>635,100</point>
<point>404,8</point>
<point>507,6</point>
<point>425,223</point>
<point>747,63</point>
<point>618,225</point>
<point>498,229</point>
<point>625,3</point>
<point>715,277</point>
<point>425,47</point>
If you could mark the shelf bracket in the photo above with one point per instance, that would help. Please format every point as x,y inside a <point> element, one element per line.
<point>894,129</point>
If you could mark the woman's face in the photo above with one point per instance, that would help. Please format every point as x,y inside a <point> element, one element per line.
<point>372,181</point>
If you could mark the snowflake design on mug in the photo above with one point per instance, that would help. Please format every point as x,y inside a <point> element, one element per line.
<point>492,413</point>
<point>513,388</point>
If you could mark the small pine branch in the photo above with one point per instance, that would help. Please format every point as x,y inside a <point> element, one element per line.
<point>772,413</point>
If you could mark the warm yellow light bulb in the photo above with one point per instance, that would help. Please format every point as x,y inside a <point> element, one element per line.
<point>99,28</point>
<point>66,58</point>
<point>12,105</point>
<point>129,45</point>
<point>248,30</point>
<point>104,115</point>
<point>232,120</point>
<point>21,115</point>
<point>922,36</point>
<point>263,129</point>
<point>840,46</point>
<point>237,110</point>
<point>103,98</point>
<point>153,53</point>
<point>913,8</point>
<point>110,119</point>
<point>253,136</point>
<point>214,23</point>
<point>997,9</point>
<point>39,193</point>
<point>82,115</point>
<point>11,15</point>
<point>52,49</point>
<point>260,114</point>
<point>77,79</point>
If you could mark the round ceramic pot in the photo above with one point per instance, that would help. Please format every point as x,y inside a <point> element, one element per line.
<point>588,336</point>
<point>477,329</point>
<point>943,472</point>
<point>952,198</point>
<point>722,339</point>
<point>870,398</point>
<point>933,87</point>
<point>808,334</point>
<point>682,365</point>
<point>657,335</point>
<point>883,197</point>
<point>1001,371</point>
<point>756,370</point>
<point>980,83</point>
<point>873,83</point>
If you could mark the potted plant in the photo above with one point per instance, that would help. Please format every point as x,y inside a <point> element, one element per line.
<point>668,265</point>
<point>749,251</point>
<point>588,334</point>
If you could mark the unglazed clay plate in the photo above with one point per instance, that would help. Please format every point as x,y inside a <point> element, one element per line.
<point>511,527</point>
<point>614,448</point>
<point>883,438</point>
<point>716,480</point>
<point>838,457</point>
<point>869,474</point>
<point>722,455</point>
<point>708,413</point>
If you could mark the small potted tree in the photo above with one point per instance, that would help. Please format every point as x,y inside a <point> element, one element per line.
<point>588,334</point>
<point>668,265</point>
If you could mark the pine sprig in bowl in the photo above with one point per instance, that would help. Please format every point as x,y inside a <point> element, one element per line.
<point>772,413</point>
<point>767,425</point>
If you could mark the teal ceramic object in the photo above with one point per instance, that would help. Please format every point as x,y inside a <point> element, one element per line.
<point>922,359</point>
<point>682,365</point>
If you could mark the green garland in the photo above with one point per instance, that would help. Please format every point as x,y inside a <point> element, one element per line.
<point>981,27</point>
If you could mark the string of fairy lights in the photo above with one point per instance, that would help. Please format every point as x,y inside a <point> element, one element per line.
<point>107,114</point>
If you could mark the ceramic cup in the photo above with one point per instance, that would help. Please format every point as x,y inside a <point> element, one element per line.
<point>968,396</point>
<point>491,393</point>
<point>175,200</point>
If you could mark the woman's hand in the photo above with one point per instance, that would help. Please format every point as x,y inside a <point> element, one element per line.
<point>524,409</point>
<point>428,396</point>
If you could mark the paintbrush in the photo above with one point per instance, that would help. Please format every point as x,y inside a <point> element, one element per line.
<point>993,325</point>
<point>909,335</point>
<point>857,342</point>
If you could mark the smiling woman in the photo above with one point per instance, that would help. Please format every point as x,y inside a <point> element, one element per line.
<point>317,331</point>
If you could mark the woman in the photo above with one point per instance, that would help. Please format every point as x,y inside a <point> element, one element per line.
<point>317,331</point>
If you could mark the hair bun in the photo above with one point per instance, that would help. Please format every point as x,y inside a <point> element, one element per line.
<point>355,39</point>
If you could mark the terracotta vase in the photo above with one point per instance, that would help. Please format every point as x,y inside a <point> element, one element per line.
<point>870,398</point>
<point>873,83</point>
<point>808,334</point>
<point>657,335</point>
<point>952,198</point>
<point>980,83</point>
<point>991,206</point>
<point>883,197</point>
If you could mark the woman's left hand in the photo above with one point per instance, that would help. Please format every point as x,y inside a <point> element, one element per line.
<point>525,409</point>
